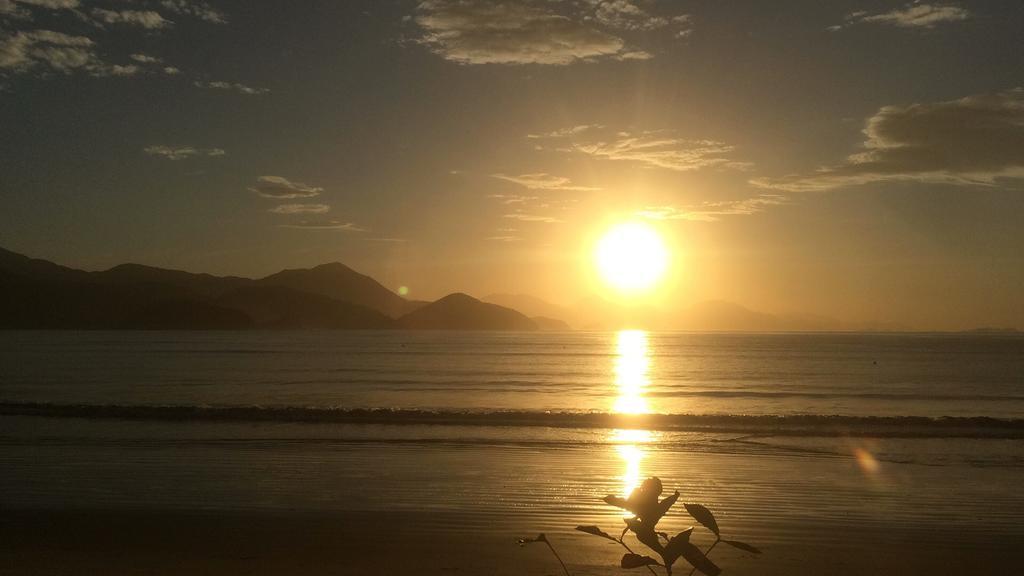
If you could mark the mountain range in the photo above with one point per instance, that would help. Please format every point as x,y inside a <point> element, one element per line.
<point>40,294</point>
<point>37,293</point>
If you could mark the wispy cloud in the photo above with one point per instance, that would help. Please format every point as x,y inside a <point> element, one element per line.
<point>543,181</point>
<point>971,141</point>
<point>10,10</point>
<point>517,32</point>
<point>67,50</point>
<point>630,15</point>
<point>532,217</point>
<point>510,199</point>
<point>713,211</point>
<point>195,8</point>
<point>52,51</point>
<point>324,225</point>
<point>145,59</point>
<point>142,18</point>
<point>233,86</point>
<point>300,209</point>
<point>654,148</point>
<point>282,188</point>
<point>181,152</point>
<point>17,9</point>
<point>914,15</point>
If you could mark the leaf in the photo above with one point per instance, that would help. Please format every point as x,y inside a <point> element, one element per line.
<point>540,538</point>
<point>643,501</point>
<point>617,501</point>
<point>698,560</point>
<point>663,507</point>
<point>704,516</point>
<point>631,560</point>
<point>595,531</point>
<point>651,486</point>
<point>645,534</point>
<point>742,546</point>
<point>674,548</point>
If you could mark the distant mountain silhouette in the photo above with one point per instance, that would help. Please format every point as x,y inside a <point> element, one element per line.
<point>717,315</point>
<point>550,324</point>
<point>37,293</point>
<point>462,312</point>
<point>282,307</point>
<point>13,264</point>
<point>204,285</point>
<point>340,282</point>
<point>530,305</point>
<point>40,294</point>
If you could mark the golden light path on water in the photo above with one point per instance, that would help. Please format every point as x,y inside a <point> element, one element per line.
<point>632,363</point>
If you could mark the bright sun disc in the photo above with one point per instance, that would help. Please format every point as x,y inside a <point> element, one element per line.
<point>631,258</point>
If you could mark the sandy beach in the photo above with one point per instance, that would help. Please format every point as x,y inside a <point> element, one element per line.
<point>350,543</point>
<point>256,498</point>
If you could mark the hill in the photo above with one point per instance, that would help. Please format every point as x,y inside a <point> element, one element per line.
<point>462,312</point>
<point>340,282</point>
<point>281,307</point>
<point>37,293</point>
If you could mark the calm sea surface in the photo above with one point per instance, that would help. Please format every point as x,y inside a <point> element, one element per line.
<point>619,372</point>
<point>474,473</point>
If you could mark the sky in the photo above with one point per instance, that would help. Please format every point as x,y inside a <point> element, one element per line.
<point>860,160</point>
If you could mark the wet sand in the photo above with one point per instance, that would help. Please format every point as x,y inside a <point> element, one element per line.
<point>162,543</point>
<point>83,497</point>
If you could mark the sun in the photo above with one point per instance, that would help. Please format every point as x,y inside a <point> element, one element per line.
<point>631,258</point>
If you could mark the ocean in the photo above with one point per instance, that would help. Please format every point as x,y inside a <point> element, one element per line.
<point>930,375</point>
<point>793,439</point>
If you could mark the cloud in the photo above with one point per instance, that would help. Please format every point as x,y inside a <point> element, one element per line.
<point>8,9</point>
<point>197,9</point>
<point>509,199</point>
<point>973,141</point>
<point>220,85</point>
<point>542,181</point>
<point>145,59</point>
<point>627,15</point>
<point>713,211</point>
<point>51,4</point>
<point>915,15</point>
<point>143,18</point>
<point>181,152</point>
<point>513,32</point>
<point>566,132</point>
<point>58,52</point>
<point>49,51</point>
<point>282,188</point>
<point>324,225</point>
<point>528,217</point>
<point>16,8</point>
<point>655,149</point>
<point>301,209</point>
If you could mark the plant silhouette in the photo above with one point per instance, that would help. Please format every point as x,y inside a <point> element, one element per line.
<point>648,509</point>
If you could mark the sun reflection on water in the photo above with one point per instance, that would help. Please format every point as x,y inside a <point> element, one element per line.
<point>629,445</point>
<point>632,364</point>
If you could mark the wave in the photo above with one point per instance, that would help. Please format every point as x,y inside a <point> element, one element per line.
<point>766,425</point>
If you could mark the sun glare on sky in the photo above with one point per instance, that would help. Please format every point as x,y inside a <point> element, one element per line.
<point>631,258</point>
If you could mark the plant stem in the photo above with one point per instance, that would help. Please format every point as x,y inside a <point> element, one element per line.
<point>630,550</point>
<point>708,551</point>
<point>558,557</point>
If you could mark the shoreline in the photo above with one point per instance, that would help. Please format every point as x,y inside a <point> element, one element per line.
<point>758,425</point>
